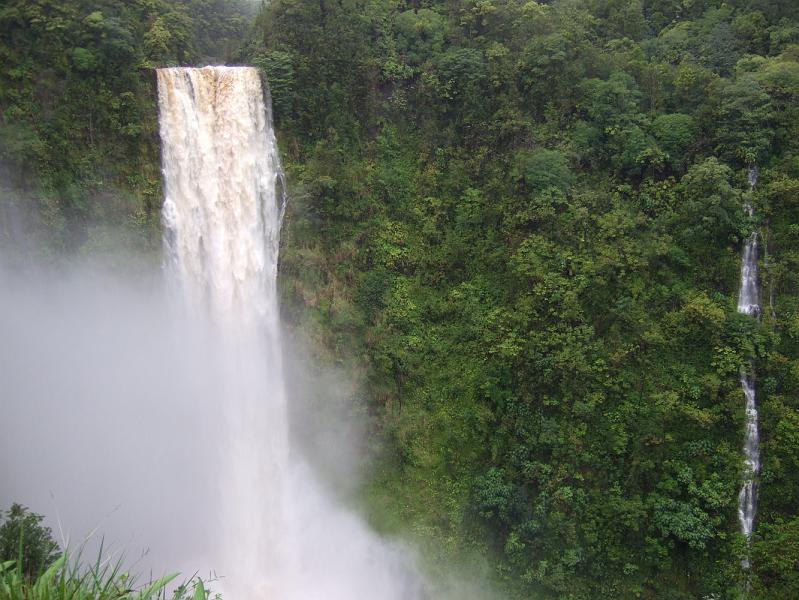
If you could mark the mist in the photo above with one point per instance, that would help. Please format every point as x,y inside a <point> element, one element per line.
<point>158,412</point>
<point>112,400</point>
<point>109,411</point>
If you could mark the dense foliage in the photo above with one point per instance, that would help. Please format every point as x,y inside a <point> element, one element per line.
<point>78,127</point>
<point>521,222</point>
<point>24,540</point>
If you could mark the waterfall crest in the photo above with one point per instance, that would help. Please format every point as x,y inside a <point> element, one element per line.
<point>222,213</point>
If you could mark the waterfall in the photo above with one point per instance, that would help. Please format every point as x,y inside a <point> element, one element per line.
<point>749,303</point>
<point>222,215</point>
<point>747,497</point>
<point>749,293</point>
<point>283,537</point>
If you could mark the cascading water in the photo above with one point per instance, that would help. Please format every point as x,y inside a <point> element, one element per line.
<point>749,303</point>
<point>283,537</point>
<point>222,219</point>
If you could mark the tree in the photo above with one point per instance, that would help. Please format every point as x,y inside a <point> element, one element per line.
<point>23,538</point>
<point>746,120</point>
<point>675,134</point>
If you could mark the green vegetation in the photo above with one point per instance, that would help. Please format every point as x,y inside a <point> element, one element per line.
<point>72,581</point>
<point>521,223</point>
<point>78,124</point>
<point>33,568</point>
<point>24,540</point>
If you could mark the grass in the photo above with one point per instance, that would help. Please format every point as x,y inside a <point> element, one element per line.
<point>69,579</point>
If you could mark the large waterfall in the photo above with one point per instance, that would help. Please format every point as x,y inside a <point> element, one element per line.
<point>222,219</point>
<point>749,303</point>
<point>283,536</point>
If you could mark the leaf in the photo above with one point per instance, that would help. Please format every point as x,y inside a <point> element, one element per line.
<point>199,590</point>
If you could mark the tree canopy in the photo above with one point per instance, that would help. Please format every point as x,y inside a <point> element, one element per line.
<point>520,223</point>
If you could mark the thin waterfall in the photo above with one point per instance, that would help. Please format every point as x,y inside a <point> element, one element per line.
<point>282,536</point>
<point>749,303</point>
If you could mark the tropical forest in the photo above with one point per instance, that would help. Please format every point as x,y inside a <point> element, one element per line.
<point>400,299</point>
